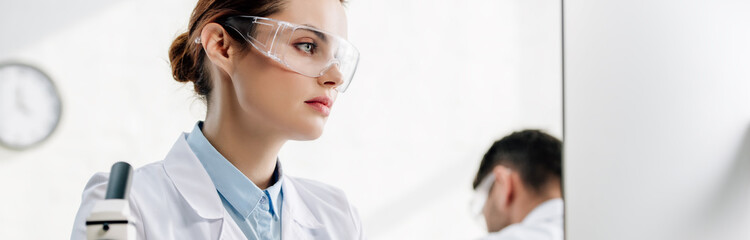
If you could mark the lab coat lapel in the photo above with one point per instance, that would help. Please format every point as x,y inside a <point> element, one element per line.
<point>192,182</point>
<point>297,221</point>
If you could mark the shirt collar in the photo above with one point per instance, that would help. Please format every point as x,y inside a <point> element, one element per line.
<point>274,191</point>
<point>235,187</point>
<point>552,208</point>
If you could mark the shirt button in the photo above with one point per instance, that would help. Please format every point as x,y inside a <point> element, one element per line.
<point>263,200</point>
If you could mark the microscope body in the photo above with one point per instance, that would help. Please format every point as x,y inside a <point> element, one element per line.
<point>110,218</point>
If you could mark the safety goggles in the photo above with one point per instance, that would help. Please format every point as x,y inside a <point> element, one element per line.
<point>481,194</point>
<point>302,49</point>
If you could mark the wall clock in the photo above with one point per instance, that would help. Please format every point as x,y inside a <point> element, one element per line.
<point>30,106</point>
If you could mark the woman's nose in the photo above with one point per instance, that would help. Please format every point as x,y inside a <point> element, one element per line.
<point>332,77</point>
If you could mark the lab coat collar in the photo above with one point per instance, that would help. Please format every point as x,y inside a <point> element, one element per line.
<point>239,191</point>
<point>196,187</point>
<point>294,208</point>
<point>549,209</point>
<point>192,180</point>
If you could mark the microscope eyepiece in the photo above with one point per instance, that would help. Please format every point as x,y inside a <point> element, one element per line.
<point>119,181</point>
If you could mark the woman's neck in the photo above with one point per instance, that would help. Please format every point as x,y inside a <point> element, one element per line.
<point>252,151</point>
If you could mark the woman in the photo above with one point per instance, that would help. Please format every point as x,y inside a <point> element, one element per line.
<point>269,71</point>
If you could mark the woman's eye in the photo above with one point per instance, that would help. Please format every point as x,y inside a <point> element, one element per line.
<point>306,47</point>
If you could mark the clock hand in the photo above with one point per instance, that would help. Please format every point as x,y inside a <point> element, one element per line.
<point>20,103</point>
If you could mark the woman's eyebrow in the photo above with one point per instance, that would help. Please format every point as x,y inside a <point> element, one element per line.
<point>319,34</point>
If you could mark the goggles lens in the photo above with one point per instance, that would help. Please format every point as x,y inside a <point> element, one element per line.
<point>305,50</point>
<point>481,194</point>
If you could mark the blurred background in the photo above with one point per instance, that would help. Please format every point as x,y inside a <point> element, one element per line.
<point>438,82</point>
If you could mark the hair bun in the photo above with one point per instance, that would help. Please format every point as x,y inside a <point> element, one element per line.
<point>183,69</point>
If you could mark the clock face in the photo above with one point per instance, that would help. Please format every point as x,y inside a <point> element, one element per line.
<point>30,106</point>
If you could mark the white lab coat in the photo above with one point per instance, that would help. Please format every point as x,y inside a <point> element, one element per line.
<point>545,222</point>
<point>176,199</point>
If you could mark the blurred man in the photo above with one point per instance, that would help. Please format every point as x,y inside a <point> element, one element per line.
<point>518,187</point>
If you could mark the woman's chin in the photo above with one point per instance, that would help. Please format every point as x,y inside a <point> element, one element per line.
<point>308,137</point>
<point>309,133</point>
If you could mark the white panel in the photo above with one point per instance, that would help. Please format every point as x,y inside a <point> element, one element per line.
<point>657,119</point>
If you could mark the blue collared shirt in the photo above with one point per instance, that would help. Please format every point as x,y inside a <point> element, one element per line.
<point>257,212</point>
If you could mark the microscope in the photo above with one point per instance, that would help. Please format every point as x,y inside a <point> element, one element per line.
<point>110,218</point>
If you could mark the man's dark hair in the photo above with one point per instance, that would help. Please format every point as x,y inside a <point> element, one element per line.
<point>535,155</point>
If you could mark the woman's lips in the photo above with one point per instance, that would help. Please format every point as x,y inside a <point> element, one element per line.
<point>321,104</point>
<point>320,107</point>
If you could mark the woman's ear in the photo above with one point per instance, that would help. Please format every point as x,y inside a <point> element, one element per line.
<point>216,43</point>
<point>504,179</point>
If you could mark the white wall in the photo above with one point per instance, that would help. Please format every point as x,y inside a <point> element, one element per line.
<point>438,82</point>
<point>657,119</point>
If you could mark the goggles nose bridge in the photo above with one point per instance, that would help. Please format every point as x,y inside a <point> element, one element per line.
<point>329,65</point>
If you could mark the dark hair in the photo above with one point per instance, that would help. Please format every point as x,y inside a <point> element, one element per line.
<point>187,57</point>
<point>537,157</point>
